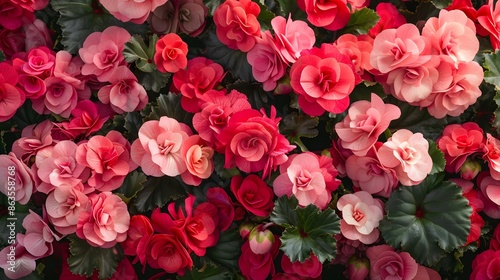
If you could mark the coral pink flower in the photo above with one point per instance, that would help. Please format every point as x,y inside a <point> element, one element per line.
<point>201,75</point>
<point>331,14</point>
<point>17,180</point>
<point>171,52</point>
<point>364,123</point>
<point>60,98</point>
<point>138,235</point>
<point>310,268</point>
<point>292,37</point>
<point>136,11</point>
<point>361,215</point>
<point>389,18</point>
<point>396,48</point>
<point>237,25</point>
<point>102,52</point>
<point>105,221</point>
<point>87,118</point>
<point>266,62</point>
<point>252,142</point>
<point>358,49</point>
<point>491,155</point>
<point>258,266</point>
<point>33,138</point>
<point>198,158</point>
<point>166,252</point>
<point>385,263</point>
<point>408,154</point>
<point>485,266</point>
<point>68,68</point>
<point>158,149</point>
<point>489,194</point>
<point>254,194</point>
<point>488,17</point>
<point>323,78</point>
<point>458,142</point>
<point>11,98</point>
<point>23,264</point>
<point>13,15</point>
<point>38,237</point>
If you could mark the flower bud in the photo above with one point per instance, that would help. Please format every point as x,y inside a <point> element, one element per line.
<point>245,229</point>
<point>358,268</point>
<point>470,169</point>
<point>260,240</point>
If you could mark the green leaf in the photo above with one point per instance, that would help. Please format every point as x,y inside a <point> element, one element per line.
<point>212,5</point>
<point>441,4</point>
<point>2,56</point>
<point>492,63</point>
<point>168,105</point>
<point>496,121</point>
<point>143,55</point>
<point>207,272</point>
<point>361,21</point>
<point>227,251</point>
<point>300,125</point>
<point>154,80</point>
<point>84,258</point>
<point>131,186</point>
<point>291,8</point>
<point>133,121</point>
<point>81,18</point>
<point>157,191</point>
<point>284,212</point>
<point>265,16</point>
<point>427,220</point>
<point>438,161</point>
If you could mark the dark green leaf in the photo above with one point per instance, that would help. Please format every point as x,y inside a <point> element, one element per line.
<point>131,186</point>
<point>291,8</point>
<point>133,121</point>
<point>427,220</point>
<point>168,105</point>
<point>361,21</point>
<point>295,125</point>
<point>2,56</point>
<point>157,192</point>
<point>154,81</point>
<point>284,211</point>
<point>438,161</point>
<point>3,147</point>
<point>496,121</point>
<point>492,63</point>
<point>207,272</point>
<point>212,5</point>
<point>143,55</point>
<point>265,17</point>
<point>363,91</point>
<point>25,116</point>
<point>84,258</point>
<point>227,251</point>
<point>441,4</point>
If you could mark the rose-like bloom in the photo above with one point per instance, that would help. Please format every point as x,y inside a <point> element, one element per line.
<point>252,142</point>
<point>385,263</point>
<point>331,14</point>
<point>12,41</point>
<point>488,17</point>
<point>459,141</point>
<point>495,240</point>
<point>491,155</point>
<point>39,62</point>
<point>60,98</point>
<point>198,158</point>
<point>361,214</point>
<point>364,123</point>
<point>201,76</point>
<point>87,118</point>
<point>408,154</point>
<point>13,15</point>
<point>105,221</point>
<point>292,37</point>
<point>347,249</point>
<point>164,19</point>
<point>171,52</point>
<point>254,194</point>
<point>34,87</point>
<point>166,252</point>
<point>358,49</point>
<point>489,194</point>
<point>136,11</point>
<point>390,17</point>
<point>267,64</point>
<point>32,5</point>
<point>258,266</point>
<point>138,235</point>
<point>102,52</point>
<point>323,78</point>
<point>396,48</point>
<point>38,34</point>
<point>17,180</point>
<point>192,15</point>
<point>485,266</point>
<point>68,68</point>
<point>38,237</point>
<point>217,107</point>
<point>158,148</point>
<point>23,262</point>
<point>237,25</point>
<point>310,268</point>
<point>218,197</point>
<point>11,97</point>
<point>33,138</point>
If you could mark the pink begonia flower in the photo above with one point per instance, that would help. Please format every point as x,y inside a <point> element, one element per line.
<point>292,37</point>
<point>408,154</point>
<point>40,62</point>
<point>252,142</point>
<point>459,141</point>
<point>165,251</point>
<point>226,214</point>
<point>310,268</point>
<point>385,263</point>
<point>201,76</point>
<point>108,160</point>
<point>171,53</point>
<point>12,41</point>
<point>87,118</point>
<point>68,68</point>
<point>253,193</point>
<point>192,16</point>
<point>158,148</point>
<point>60,98</point>
<point>102,52</point>
<point>136,11</point>
<point>217,107</point>
<point>331,15</point>
<point>267,65</point>
<point>488,17</point>
<point>397,48</point>
<point>13,15</point>
<point>358,49</point>
<point>364,123</point>
<point>17,180</point>
<point>37,34</point>
<point>323,78</point>
<point>33,138</point>
<point>34,87</point>
<point>21,264</point>
<point>339,156</point>
<point>38,237</point>
<point>491,155</point>
<point>32,5</point>
<point>361,214</point>
<point>302,176</point>
<point>236,24</point>
<point>138,235</point>
<point>452,34</point>
<point>198,158</point>
<point>164,19</point>
<point>60,167</point>
<point>485,266</point>
<point>11,97</point>
<point>64,205</point>
<point>105,221</point>
<point>258,266</point>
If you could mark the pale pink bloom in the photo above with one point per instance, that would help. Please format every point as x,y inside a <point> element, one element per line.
<point>64,205</point>
<point>105,221</point>
<point>385,263</point>
<point>267,65</point>
<point>59,167</point>
<point>452,34</point>
<point>33,138</point>
<point>408,154</point>
<point>40,62</point>
<point>361,214</point>
<point>292,37</point>
<point>37,34</point>
<point>11,97</point>
<point>68,68</point>
<point>396,48</point>
<point>21,263</point>
<point>358,49</point>
<point>17,180</point>
<point>38,237</point>
<point>158,148</point>
<point>60,98</point>
<point>198,158</point>
<point>491,155</point>
<point>364,123</point>
<point>102,52</point>
<point>489,194</point>
<point>136,11</point>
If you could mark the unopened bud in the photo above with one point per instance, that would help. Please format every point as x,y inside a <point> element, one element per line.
<point>260,240</point>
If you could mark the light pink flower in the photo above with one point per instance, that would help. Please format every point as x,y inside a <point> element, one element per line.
<point>408,154</point>
<point>102,52</point>
<point>136,11</point>
<point>171,53</point>
<point>491,155</point>
<point>64,205</point>
<point>364,123</point>
<point>60,98</point>
<point>21,264</point>
<point>105,221</point>
<point>17,180</point>
<point>292,37</point>
<point>33,138</point>
<point>331,15</point>
<point>38,237</point>
<point>358,49</point>
<point>158,148</point>
<point>198,158</point>
<point>385,263</point>
<point>361,215</point>
<point>11,97</point>
<point>68,68</point>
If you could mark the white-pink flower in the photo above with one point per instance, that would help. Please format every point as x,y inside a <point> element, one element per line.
<point>19,265</point>
<point>33,138</point>
<point>17,180</point>
<point>361,214</point>
<point>38,237</point>
<point>292,37</point>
